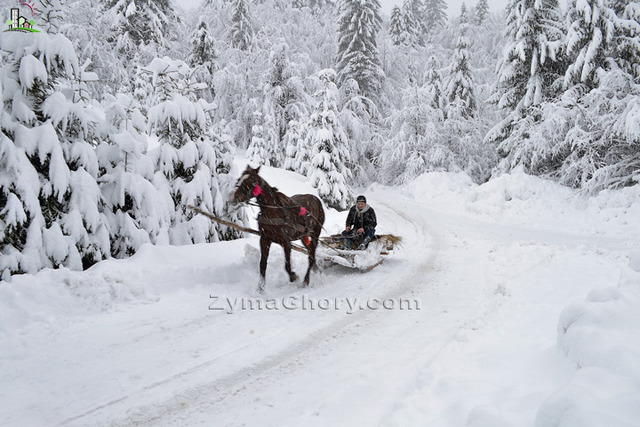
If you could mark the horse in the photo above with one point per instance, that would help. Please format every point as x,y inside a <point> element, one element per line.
<point>281,220</point>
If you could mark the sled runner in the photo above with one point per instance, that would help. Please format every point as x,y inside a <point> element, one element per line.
<point>332,249</point>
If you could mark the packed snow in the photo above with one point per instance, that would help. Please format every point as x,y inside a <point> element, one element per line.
<point>512,303</point>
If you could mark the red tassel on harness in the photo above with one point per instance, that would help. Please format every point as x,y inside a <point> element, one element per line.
<point>303,211</point>
<point>257,190</point>
<point>306,240</point>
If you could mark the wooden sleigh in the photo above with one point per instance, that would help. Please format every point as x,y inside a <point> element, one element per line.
<point>332,248</point>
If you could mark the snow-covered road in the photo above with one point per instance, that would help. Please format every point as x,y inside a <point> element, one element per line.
<point>457,327</point>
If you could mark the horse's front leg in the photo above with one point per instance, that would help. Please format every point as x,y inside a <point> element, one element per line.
<point>265,245</point>
<point>287,262</point>
<point>311,250</point>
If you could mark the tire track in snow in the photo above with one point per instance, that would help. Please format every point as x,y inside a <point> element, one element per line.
<point>215,391</point>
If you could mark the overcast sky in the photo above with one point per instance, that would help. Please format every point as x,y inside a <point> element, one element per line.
<point>454,5</point>
<point>387,5</point>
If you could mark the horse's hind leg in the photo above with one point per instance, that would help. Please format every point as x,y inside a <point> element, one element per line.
<point>265,244</point>
<point>287,262</point>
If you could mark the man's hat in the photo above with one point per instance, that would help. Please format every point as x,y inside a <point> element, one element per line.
<point>361,199</point>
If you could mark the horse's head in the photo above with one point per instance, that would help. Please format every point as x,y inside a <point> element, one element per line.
<point>248,186</point>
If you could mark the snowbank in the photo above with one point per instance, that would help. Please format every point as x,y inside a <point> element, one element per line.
<point>522,199</point>
<point>601,337</point>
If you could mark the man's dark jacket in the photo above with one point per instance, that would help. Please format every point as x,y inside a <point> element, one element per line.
<point>364,219</point>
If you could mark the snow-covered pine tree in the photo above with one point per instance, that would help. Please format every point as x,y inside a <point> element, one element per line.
<point>436,13</point>
<point>329,150</point>
<point>51,127</point>
<point>241,35</point>
<point>296,152</point>
<point>531,61</point>
<point>591,32</point>
<point>627,38</point>
<point>283,97</point>
<point>258,152</point>
<point>134,208</point>
<point>357,57</point>
<point>140,22</point>
<point>186,161</point>
<point>203,56</point>
<point>433,86</point>
<point>417,144</point>
<point>50,16</point>
<point>482,8</point>
<point>410,35</point>
<point>531,67</point>
<point>460,86</point>
<point>396,25</point>
<point>359,117</point>
<point>419,12</point>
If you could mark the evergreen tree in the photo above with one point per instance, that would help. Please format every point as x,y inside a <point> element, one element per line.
<point>482,8</point>
<point>417,144</point>
<point>433,87</point>
<point>531,64</point>
<point>357,59</point>
<point>241,30</point>
<point>396,26</point>
<point>133,206</point>
<point>51,15</point>
<point>203,52</point>
<point>186,162</point>
<point>436,13</point>
<point>328,145</point>
<point>627,37</point>
<point>460,88</point>
<point>296,153</point>
<point>283,97</point>
<point>589,41</point>
<point>140,22</point>
<point>410,35</point>
<point>52,214</point>
<point>258,152</point>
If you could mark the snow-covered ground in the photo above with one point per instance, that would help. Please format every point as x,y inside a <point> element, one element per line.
<point>515,303</point>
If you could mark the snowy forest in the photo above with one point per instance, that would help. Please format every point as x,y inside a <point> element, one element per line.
<point>118,114</point>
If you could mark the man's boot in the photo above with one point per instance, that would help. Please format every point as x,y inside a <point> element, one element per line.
<point>364,243</point>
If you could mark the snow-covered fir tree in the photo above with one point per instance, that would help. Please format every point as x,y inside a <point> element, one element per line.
<point>359,117</point>
<point>241,34</point>
<point>296,152</point>
<point>436,13</point>
<point>417,144</point>
<point>328,145</point>
<point>358,56</point>
<point>258,152</point>
<point>134,207</point>
<point>140,22</point>
<point>396,26</point>
<point>530,73</point>
<point>411,32</point>
<point>50,16</point>
<point>283,95</point>
<point>482,8</point>
<point>203,56</point>
<point>433,85</point>
<point>186,160</point>
<point>52,214</point>
<point>590,36</point>
<point>627,37</point>
<point>460,86</point>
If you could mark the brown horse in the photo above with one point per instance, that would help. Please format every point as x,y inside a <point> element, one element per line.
<point>281,220</point>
